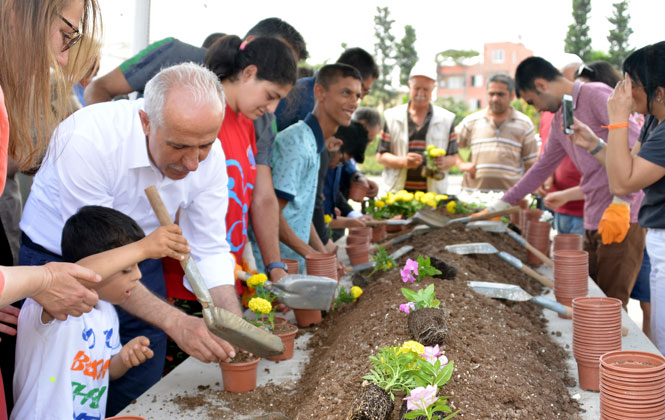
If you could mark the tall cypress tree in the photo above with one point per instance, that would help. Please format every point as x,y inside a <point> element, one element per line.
<point>618,36</point>
<point>384,54</point>
<point>577,38</point>
<point>406,55</point>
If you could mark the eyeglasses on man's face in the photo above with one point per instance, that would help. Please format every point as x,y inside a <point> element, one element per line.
<point>69,39</point>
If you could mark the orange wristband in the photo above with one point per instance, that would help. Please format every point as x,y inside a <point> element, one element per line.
<point>615,126</point>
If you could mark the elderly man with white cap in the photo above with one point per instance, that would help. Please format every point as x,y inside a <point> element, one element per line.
<point>409,129</point>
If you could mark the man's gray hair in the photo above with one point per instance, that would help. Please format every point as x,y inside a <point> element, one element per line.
<point>199,82</point>
<point>502,78</point>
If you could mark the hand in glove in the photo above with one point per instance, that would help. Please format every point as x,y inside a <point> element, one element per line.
<point>615,222</point>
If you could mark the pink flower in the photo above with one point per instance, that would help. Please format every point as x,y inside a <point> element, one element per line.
<point>421,398</point>
<point>431,353</point>
<point>407,307</point>
<point>444,360</point>
<point>410,268</point>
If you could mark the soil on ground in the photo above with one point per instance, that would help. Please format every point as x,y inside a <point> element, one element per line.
<point>506,364</point>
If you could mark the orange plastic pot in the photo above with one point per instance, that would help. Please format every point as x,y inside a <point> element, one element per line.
<point>126,418</point>
<point>288,339</point>
<point>307,317</point>
<point>239,377</point>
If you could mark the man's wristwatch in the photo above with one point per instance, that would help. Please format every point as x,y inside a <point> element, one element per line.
<point>598,148</point>
<point>276,264</point>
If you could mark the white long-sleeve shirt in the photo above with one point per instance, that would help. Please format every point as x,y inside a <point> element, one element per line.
<point>99,156</point>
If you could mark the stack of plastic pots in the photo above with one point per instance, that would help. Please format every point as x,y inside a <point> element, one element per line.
<point>632,385</point>
<point>358,254</point>
<point>356,233</point>
<point>531,215</point>
<point>538,235</point>
<point>596,331</point>
<point>324,265</point>
<point>571,272</point>
<point>565,241</point>
<point>378,233</point>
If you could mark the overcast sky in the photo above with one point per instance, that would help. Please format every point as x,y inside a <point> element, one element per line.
<point>541,25</point>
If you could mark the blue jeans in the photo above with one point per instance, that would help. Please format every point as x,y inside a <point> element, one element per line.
<point>641,290</point>
<point>138,379</point>
<point>564,223</point>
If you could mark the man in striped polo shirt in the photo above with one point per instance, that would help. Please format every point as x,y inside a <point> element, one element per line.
<point>502,140</point>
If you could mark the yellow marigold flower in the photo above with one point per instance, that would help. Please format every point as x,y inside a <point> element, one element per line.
<point>431,202</point>
<point>412,346</point>
<point>408,197</point>
<point>440,197</point>
<point>260,306</point>
<point>429,195</point>
<point>419,194</point>
<point>451,207</point>
<point>390,201</point>
<point>402,192</point>
<point>327,218</point>
<point>379,204</point>
<point>430,147</point>
<point>389,264</point>
<point>356,292</point>
<point>435,152</point>
<point>256,280</point>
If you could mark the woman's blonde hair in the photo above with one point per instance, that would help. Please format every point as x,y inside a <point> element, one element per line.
<point>27,61</point>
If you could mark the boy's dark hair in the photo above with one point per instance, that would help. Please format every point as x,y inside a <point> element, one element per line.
<point>273,59</point>
<point>370,116</point>
<point>361,60</point>
<point>531,69</point>
<point>210,39</point>
<point>355,138</point>
<point>276,28</point>
<point>329,73</point>
<point>646,67</point>
<point>95,229</point>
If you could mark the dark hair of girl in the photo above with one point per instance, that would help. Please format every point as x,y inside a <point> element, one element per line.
<point>273,59</point>
<point>646,67</point>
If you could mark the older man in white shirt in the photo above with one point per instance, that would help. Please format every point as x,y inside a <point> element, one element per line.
<point>107,154</point>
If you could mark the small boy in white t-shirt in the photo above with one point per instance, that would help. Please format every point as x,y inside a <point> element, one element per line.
<point>63,368</point>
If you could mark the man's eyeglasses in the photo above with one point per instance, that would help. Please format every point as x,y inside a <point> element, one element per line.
<point>69,40</point>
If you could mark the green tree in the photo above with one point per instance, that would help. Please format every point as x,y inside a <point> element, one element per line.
<point>577,39</point>
<point>384,54</point>
<point>618,37</point>
<point>406,55</point>
<point>455,56</point>
<point>596,55</point>
<point>457,106</point>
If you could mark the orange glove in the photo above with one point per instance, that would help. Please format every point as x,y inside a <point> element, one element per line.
<point>615,222</point>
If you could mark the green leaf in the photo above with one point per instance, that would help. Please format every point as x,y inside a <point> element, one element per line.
<point>410,295</point>
<point>414,414</point>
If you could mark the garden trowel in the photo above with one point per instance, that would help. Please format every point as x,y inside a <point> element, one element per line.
<point>221,322</point>
<point>499,227</point>
<point>487,248</point>
<point>300,291</point>
<point>395,255</point>
<point>516,293</point>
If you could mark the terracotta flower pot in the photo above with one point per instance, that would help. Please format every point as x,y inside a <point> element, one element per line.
<point>361,231</point>
<point>358,191</point>
<point>538,235</point>
<point>307,317</point>
<point>356,239</point>
<point>358,254</point>
<point>565,241</point>
<point>239,377</point>
<point>589,376</point>
<point>378,233</point>
<point>288,338</point>
<point>291,265</point>
<point>278,320</point>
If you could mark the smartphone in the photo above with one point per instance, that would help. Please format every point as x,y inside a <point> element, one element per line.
<point>567,113</point>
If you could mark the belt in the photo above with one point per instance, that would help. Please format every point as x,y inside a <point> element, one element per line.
<point>25,240</point>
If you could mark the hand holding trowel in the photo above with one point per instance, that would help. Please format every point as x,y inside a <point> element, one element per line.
<point>221,322</point>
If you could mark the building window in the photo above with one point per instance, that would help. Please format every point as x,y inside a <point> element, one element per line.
<point>442,83</point>
<point>456,82</point>
<point>497,56</point>
<point>477,81</point>
<point>474,104</point>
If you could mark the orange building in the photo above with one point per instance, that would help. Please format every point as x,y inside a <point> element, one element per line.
<point>468,83</point>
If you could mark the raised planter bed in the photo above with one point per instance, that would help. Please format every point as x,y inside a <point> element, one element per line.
<point>507,365</point>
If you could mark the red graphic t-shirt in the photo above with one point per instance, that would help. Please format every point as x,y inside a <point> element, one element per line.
<point>239,144</point>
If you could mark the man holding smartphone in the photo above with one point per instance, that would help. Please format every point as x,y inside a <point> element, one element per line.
<point>613,266</point>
